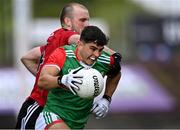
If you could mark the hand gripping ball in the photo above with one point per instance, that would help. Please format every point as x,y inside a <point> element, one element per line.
<point>92,83</point>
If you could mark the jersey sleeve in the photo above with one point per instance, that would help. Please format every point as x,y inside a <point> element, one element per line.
<point>111,60</point>
<point>60,37</point>
<point>67,35</point>
<point>57,58</point>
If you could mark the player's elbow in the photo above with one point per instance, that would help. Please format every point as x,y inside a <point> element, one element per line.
<point>74,39</point>
<point>42,82</point>
<point>25,61</point>
<point>22,59</point>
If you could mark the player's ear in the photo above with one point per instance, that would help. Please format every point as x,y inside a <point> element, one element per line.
<point>80,45</point>
<point>67,22</point>
<point>79,42</point>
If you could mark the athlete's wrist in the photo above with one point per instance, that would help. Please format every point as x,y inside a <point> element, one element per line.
<point>59,80</point>
<point>107,97</point>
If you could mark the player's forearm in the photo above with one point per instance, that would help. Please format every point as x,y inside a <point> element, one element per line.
<point>31,65</point>
<point>111,84</point>
<point>48,82</point>
<point>31,58</point>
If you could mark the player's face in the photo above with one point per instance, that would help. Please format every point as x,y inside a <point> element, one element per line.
<point>89,52</point>
<point>80,19</point>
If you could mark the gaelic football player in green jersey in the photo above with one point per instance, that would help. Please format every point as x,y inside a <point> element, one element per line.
<point>64,109</point>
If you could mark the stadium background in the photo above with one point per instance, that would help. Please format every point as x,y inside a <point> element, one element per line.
<point>148,96</point>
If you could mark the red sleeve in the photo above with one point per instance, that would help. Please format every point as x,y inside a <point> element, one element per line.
<point>57,58</point>
<point>60,37</point>
<point>111,60</point>
<point>67,35</point>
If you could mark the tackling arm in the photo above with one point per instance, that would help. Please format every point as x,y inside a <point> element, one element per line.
<point>108,50</point>
<point>48,77</point>
<point>30,60</point>
<point>74,39</point>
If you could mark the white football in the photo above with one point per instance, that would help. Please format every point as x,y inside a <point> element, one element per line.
<point>92,83</point>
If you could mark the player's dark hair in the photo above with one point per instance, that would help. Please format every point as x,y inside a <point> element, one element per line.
<point>68,10</point>
<point>93,34</point>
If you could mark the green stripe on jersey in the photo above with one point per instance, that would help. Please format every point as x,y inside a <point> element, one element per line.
<point>47,117</point>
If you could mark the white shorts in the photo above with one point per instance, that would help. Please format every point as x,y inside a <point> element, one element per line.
<point>46,119</point>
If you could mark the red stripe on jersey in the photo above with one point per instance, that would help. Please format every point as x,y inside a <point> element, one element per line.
<point>54,122</point>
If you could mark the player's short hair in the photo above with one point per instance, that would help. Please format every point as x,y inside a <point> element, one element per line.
<point>93,34</point>
<point>67,11</point>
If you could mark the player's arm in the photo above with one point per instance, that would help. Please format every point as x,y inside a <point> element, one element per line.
<point>48,77</point>
<point>49,74</point>
<point>101,107</point>
<point>108,50</point>
<point>73,38</point>
<point>111,85</point>
<point>31,58</point>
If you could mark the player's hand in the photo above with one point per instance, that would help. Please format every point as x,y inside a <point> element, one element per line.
<point>71,81</point>
<point>100,108</point>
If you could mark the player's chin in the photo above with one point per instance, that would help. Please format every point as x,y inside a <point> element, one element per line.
<point>90,62</point>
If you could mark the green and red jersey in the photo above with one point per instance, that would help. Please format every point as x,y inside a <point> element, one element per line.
<point>71,108</point>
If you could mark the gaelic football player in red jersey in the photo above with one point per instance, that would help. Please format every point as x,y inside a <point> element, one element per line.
<point>74,17</point>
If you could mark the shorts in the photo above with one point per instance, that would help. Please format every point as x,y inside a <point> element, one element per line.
<point>28,114</point>
<point>46,119</point>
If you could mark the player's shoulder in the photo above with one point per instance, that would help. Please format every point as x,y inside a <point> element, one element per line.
<point>104,58</point>
<point>59,50</point>
<point>61,31</point>
<point>105,54</point>
<point>70,47</point>
<point>58,31</point>
<point>65,31</point>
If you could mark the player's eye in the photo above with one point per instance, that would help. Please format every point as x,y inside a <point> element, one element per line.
<point>83,19</point>
<point>100,50</point>
<point>93,48</point>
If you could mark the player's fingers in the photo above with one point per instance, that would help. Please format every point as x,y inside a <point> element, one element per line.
<point>104,108</point>
<point>78,76</point>
<point>99,112</point>
<point>96,110</point>
<point>100,115</point>
<point>72,90</point>
<point>77,81</point>
<point>74,86</point>
<point>94,106</point>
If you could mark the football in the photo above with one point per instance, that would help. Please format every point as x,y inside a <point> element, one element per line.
<point>92,83</point>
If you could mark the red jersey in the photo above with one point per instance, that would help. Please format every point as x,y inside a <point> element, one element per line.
<point>59,38</point>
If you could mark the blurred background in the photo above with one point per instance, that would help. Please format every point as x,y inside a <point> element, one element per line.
<point>145,32</point>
